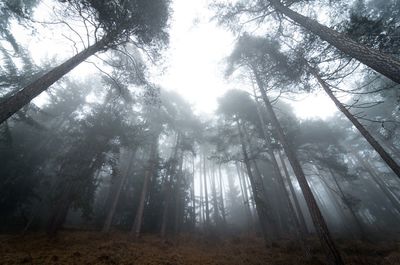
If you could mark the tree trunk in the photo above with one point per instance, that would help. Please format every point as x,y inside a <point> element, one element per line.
<point>221,192</point>
<point>378,181</point>
<point>137,224</point>
<point>267,224</point>
<point>168,188</point>
<point>206,191</point>
<point>385,64</point>
<point>277,173</point>
<point>14,103</point>
<point>201,216</point>
<point>353,213</point>
<point>244,196</point>
<point>178,184</point>
<point>60,212</point>
<point>303,224</point>
<point>120,184</point>
<point>193,196</point>
<point>371,140</point>
<point>322,229</point>
<point>217,217</point>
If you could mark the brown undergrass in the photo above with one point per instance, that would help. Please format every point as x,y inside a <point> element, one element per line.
<point>117,248</point>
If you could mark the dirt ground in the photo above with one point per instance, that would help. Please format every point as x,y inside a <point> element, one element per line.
<point>95,248</point>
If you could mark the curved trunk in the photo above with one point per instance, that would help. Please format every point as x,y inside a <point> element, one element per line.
<point>385,64</point>
<point>371,140</point>
<point>14,103</point>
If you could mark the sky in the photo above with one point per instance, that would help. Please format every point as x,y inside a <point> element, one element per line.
<point>193,64</point>
<point>195,67</point>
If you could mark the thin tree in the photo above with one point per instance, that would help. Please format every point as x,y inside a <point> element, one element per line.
<point>316,215</point>
<point>149,170</point>
<point>117,193</point>
<point>371,140</point>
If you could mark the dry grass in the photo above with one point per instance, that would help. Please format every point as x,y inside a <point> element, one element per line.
<point>96,248</point>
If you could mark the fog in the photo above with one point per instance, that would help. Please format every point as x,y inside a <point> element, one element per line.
<point>172,132</point>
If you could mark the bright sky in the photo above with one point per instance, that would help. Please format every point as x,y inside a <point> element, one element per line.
<point>197,50</point>
<point>195,66</point>
<point>194,62</point>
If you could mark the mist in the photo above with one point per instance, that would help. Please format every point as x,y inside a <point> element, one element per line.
<point>212,132</point>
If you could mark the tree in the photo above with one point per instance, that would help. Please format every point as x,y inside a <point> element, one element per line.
<point>385,64</point>
<point>144,21</point>
<point>247,57</point>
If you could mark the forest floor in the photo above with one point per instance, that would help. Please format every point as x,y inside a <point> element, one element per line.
<point>116,248</point>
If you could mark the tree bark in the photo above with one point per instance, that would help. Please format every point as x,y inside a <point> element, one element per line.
<point>192,195</point>
<point>268,226</point>
<point>120,184</point>
<point>378,181</point>
<point>353,213</point>
<point>178,184</point>
<point>221,192</point>
<point>14,103</point>
<point>137,224</point>
<point>168,188</point>
<point>385,64</point>
<point>201,213</point>
<point>298,226</point>
<point>324,235</point>
<point>371,140</point>
<point>303,224</point>
<point>244,196</point>
<point>206,191</point>
<point>217,217</point>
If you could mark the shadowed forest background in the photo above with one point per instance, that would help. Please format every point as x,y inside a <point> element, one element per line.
<point>103,161</point>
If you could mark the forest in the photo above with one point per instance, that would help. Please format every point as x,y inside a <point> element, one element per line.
<point>170,132</point>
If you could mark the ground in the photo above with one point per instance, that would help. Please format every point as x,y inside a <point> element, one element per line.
<point>78,247</point>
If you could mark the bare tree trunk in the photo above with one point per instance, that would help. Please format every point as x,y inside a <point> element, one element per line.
<point>168,188</point>
<point>14,103</point>
<point>206,191</point>
<point>385,64</point>
<point>267,224</point>
<point>353,213</point>
<point>202,217</point>
<point>371,140</point>
<point>378,181</point>
<point>192,195</point>
<point>217,217</point>
<point>221,192</point>
<point>120,184</point>
<point>178,184</point>
<point>245,197</point>
<point>277,173</point>
<point>137,224</point>
<point>300,214</point>
<point>59,214</point>
<point>324,235</point>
